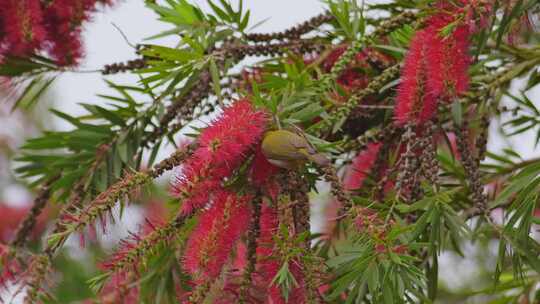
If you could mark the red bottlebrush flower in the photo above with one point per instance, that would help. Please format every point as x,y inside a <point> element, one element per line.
<point>261,169</point>
<point>269,265</point>
<point>196,184</point>
<point>240,259</point>
<point>435,52</point>
<point>223,146</point>
<point>21,22</point>
<point>67,49</point>
<point>63,21</point>
<point>447,71</point>
<point>28,25</point>
<point>436,67</point>
<point>232,135</point>
<point>332,58</point>
<point>268,228</point>
<point>11,217</point>
<point>412,95</point>
<point>232,279</point>
<point>218,229</point>
<point>459,67</point>
<point>361,166</point>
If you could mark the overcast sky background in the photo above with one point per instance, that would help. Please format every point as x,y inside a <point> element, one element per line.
<point>104,44</point>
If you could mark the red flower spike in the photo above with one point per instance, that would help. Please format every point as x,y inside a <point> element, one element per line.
<point>448,57</point>
<point>459,60</point>
<point>436,67</point>
<point>269,264</point>
<point>195,184</point>
<point>223,146</point>
<point>67,49</point>
<point>261,169</point>
<point>261,175</point>
<point>63,21</point>
<point>11,217</point>
<point>435,50</point>
<point>219,228</point>
<point>28,26</point>
<point>361,166</point>
<point>332,58</point>
<point>229,137</point>
<point>412,95</point>
<point>21,21</point>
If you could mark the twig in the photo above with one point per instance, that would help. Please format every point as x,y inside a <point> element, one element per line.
<point>294,32</point>
<point>251,254</point>
<point>103,203</point>
<point>28,224</point>
<point>145,245</point>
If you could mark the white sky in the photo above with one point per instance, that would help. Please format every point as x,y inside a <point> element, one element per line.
<point>104,44</point>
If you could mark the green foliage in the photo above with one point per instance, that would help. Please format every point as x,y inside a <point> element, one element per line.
<point>526,119</point>
<point>350,22</point>
<point>15,66</point>
<point>522,194</point>
<point>102,144</point>
<point>381,277</point>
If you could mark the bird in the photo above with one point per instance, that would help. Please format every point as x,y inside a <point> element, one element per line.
<point>289,150</point>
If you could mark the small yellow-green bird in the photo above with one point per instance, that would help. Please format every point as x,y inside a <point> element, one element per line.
<point>289,150</point>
